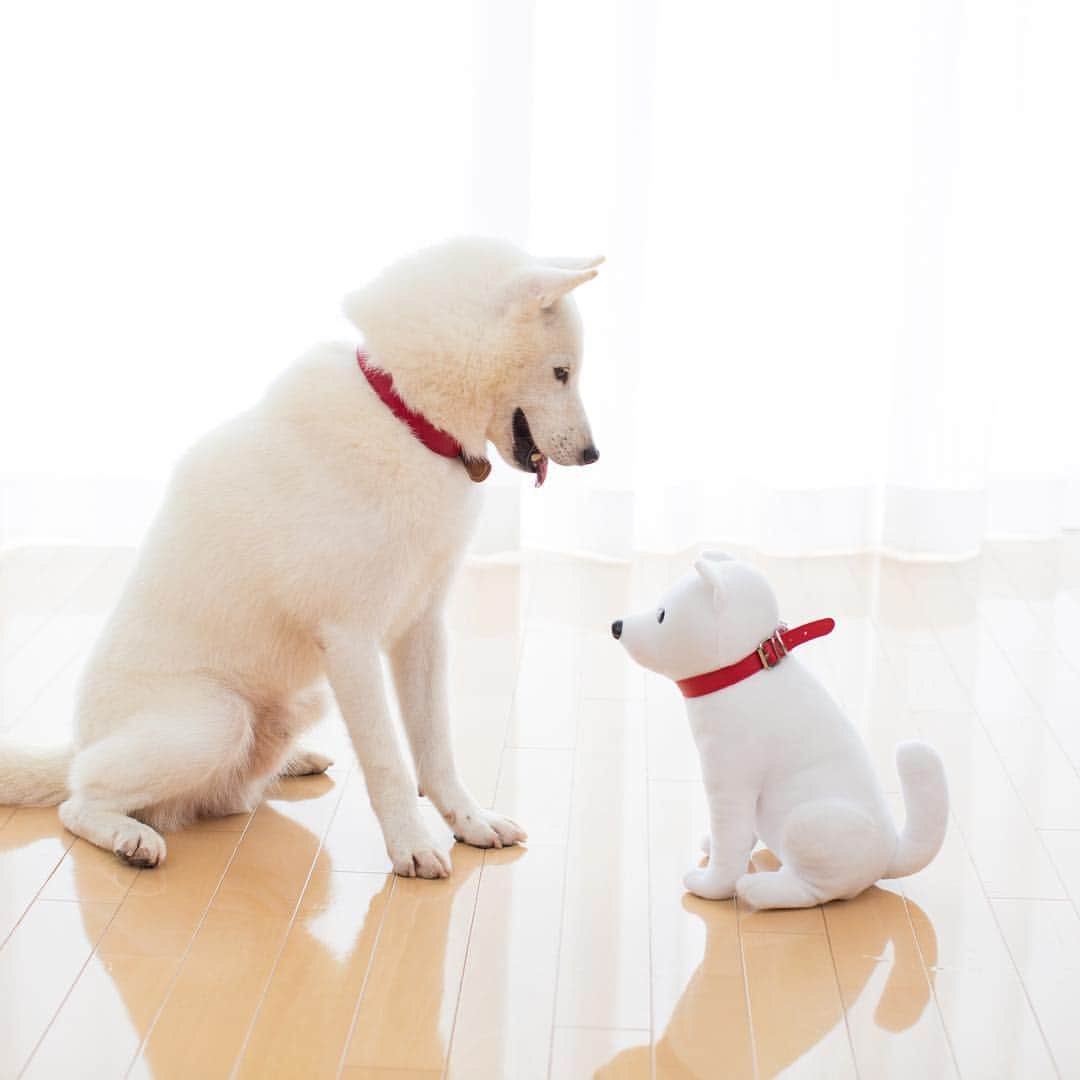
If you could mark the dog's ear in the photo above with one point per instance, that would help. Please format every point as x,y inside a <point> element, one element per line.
<point>572,262</point>
<point>712,573</point>
<point>539,287</point>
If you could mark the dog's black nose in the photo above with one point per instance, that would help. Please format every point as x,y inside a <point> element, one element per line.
<point>588,456</point>
<point>616,629</point>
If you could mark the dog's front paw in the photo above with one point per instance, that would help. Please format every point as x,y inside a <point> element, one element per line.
<point>418,857</point>
<point>709,886</point>
<point>482,828</point>
<point>138,845</point>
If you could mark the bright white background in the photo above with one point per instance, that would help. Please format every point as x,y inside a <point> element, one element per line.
<point>840,308</point>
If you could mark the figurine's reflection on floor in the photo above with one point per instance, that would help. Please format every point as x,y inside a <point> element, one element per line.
<point>696,1040</point>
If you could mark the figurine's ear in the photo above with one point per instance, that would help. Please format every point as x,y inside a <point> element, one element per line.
<point>712,574</point>
<point>717,556</point>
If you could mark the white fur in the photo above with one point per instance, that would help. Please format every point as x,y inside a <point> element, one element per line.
<point>780,760</point>
<point>300,540</point>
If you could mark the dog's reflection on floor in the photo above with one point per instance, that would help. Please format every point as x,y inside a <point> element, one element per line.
<point>694,1040</point>
<point>310,1009</point>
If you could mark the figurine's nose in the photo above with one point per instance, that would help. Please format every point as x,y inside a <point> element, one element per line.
<point>589,455</point>
<point>616,629</point>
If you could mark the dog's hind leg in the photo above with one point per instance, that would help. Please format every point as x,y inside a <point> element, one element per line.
<point>304,762</point>
<point>306,709</point>
<point>155,761</point>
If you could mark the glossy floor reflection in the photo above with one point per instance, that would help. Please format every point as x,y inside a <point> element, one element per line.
<point>278,945</point>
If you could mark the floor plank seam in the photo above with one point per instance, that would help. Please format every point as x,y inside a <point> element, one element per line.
<point>602,1027</point>
<point>840,994</point>
<point>926,968</point>
<point>464,964</point>
<point>932,625</point>
<point>755,1064</point>
<point>1004,943</point>
<point>530,593</point>
<point>246,1041</point>
<point>70,841</point>
<point>562,914</point>
<point>977,713</point>
<point>367,973</point>
<point>967,845</point>
<point>649,902</point>
<point>76,657</point>
<point>90,956</point>
<point>183,958</point>
<point>918,944</point>
<point>1012,667</point>
<point>36,576</point>
<point>1023,985</point>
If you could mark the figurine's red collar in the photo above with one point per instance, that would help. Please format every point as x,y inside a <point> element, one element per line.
<point>767,655</point>
<point>435,439</point>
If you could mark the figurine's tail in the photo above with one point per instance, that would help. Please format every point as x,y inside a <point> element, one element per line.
<point>926,800</point>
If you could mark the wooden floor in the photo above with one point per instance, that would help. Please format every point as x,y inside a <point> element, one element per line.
<point>278,945</point>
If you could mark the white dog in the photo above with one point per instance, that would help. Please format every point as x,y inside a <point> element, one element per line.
<point>305,536</point>
<point>779,759</point>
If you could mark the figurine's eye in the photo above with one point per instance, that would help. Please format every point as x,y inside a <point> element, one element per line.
<point>562,374</point>
<point>660,615</point>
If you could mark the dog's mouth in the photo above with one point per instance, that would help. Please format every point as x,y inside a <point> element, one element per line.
<point>527,454</point>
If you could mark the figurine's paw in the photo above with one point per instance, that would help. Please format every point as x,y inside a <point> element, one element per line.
<point>750,890</point>
<point>484,829</point>
<point>775,889</point>
<point>709,886</point>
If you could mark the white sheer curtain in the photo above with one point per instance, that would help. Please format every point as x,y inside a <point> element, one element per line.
<point>839,311</point>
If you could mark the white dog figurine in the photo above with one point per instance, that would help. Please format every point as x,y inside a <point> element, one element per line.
<point>305,537</point>
<point>779,759</point>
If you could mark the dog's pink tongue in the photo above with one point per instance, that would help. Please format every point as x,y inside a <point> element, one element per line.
<point>541,471</point>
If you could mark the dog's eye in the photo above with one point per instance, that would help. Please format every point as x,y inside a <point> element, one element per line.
<point>562,374</point>
<point>660,613</point>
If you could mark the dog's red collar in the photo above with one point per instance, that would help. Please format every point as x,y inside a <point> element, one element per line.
<point>382,382</point>
<point>767,655</point>
<point>435,439</point>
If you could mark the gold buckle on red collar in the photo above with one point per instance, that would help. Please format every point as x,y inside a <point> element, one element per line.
<point>779,648</point>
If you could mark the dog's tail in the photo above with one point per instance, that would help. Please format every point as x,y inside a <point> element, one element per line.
<point>33,776</point>
<point>926,800</point>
